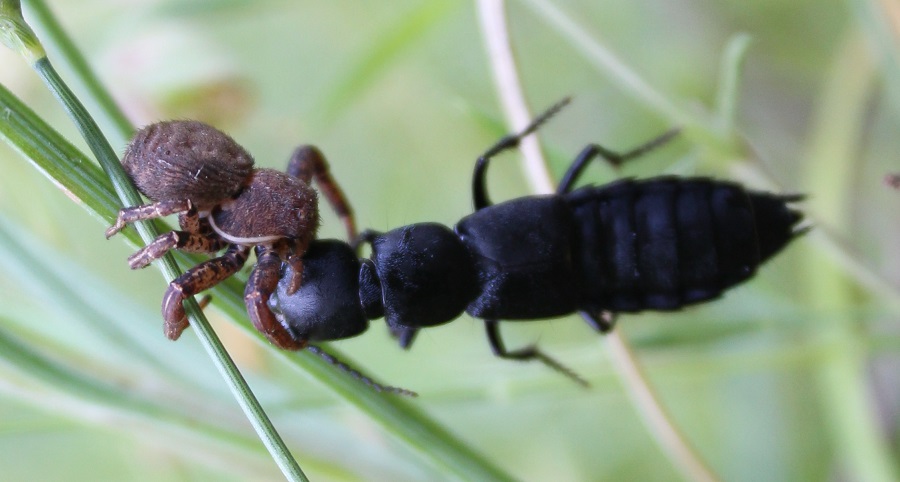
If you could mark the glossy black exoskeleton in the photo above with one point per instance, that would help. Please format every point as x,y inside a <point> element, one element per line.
<point>632,245</point>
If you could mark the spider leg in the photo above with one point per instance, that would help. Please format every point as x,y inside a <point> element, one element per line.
<point>201,277</point>
<point>203,303</point>
<point>147,211</point>
<point>262,283</point>
<point>182,240</point>
<point>191,240</point>
<point>308,163</point>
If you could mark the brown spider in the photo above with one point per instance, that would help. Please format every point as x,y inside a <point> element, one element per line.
<point>200,173</point>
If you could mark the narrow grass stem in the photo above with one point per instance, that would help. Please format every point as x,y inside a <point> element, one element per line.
<point>108,112</point>
<point>829,162</point>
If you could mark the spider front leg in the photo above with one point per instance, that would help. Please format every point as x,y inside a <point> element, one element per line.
<point>201,277</point>
<point>193,239</point>
<point>262,283</point>
<point>147,211</point>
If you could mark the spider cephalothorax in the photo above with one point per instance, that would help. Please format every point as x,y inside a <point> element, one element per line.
<point>200,173</point>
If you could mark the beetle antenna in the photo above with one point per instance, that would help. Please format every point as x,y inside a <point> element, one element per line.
<point>358,375</point>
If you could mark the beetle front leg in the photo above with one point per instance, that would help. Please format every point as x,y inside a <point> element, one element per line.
<point>201,277</point>
<point>262,283</point>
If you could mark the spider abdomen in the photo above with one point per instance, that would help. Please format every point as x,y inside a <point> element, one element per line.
<point>176,160</point>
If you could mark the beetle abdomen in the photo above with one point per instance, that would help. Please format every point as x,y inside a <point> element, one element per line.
<point>664,243</point>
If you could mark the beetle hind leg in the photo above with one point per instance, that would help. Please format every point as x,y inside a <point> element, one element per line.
<point>603,322</point>
<point>613,158</point>
<point>526,354</point>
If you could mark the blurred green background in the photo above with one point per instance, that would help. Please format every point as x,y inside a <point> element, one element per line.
<point>790,377</point>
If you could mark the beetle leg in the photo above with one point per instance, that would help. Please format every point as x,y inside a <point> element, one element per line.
<point>201,277</point>
<point>613,158</point>
<point>603,321</point>
<point>364,379</point>
<point>404,335</point>
<point>367,236</point>
<point>308,163</point>
<point>511,141</point>
<point>147,211</point>
<point>262,283</point>
<point>527,353</point>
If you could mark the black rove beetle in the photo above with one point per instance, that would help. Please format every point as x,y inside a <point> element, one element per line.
<point>655,244</point>
<point>631,245</point>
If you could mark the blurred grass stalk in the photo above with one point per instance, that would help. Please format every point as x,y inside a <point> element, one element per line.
<point>829,162</point>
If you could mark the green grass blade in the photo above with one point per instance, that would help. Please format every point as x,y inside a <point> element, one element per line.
<point>108,113</point>
<point>729,93</point>
<point>385,48</point>
<point>829,162</point>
